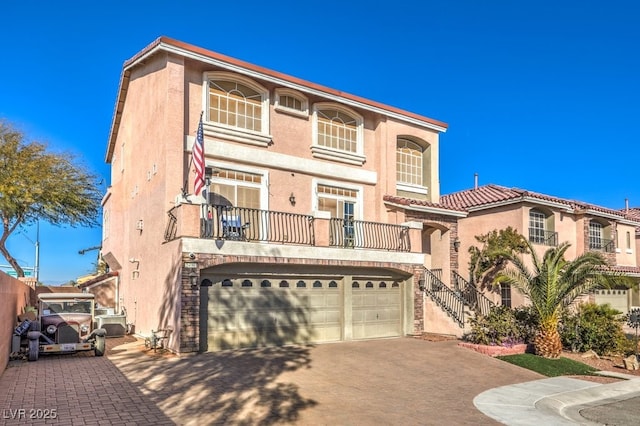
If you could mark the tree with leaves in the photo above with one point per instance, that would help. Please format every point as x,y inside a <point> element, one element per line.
<point>486,261</point>
<point>37,185</point>
<point>553,283</point>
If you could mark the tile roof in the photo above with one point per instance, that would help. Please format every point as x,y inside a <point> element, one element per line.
<point>633,213</point>
<point>633,270</point>
<point>403,201</point>
<point>488,195</point>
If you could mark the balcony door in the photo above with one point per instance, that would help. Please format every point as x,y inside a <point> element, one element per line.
<point>240,195</point>
<point>341,203</point>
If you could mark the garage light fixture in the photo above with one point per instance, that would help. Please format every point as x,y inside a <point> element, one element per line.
<point>193,279</point>
<point>456,244</point>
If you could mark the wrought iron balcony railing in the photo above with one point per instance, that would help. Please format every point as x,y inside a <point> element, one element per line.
<point>369,235</point>
<point>540,236</point>
<point>608,246</point>
<point>254,225</point>
<point>245,224</point>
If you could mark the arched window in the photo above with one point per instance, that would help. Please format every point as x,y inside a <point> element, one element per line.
<point>337,134</point>
<point>236,102</point>
<point>409,162</point>
<point>291,102</point>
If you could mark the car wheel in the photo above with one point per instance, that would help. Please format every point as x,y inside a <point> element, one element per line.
<point>100,345</point>
<point>34,349</point>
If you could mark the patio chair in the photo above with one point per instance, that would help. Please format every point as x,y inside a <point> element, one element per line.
<point>233,228</point>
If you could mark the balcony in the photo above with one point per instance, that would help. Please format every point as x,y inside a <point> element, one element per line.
<point>607,246</point>
<point>540,236</point>
<point>266,226</point>
<point>368,235</point>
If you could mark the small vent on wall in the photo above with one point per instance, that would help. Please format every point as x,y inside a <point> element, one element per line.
<point>140,225</point>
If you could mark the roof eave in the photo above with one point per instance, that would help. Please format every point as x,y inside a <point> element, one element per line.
<point>428,209</point>
<point>245,68</point>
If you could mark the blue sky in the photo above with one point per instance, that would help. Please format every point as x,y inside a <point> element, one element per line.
<point>541,95</point>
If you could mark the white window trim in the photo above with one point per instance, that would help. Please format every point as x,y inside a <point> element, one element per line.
<point>326,153</point>
<point>417,189</point>
<point>294,94</point>
<point>264,184</point>
<point>222,131</point>
<point>359,200</point>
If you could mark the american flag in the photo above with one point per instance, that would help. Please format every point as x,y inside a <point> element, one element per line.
<point>198,159</point>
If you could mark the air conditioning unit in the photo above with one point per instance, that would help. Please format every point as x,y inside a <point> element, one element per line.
<point>115,325</point>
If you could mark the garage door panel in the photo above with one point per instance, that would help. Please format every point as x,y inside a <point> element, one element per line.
<point>376,311</point>
<point>251,312</point>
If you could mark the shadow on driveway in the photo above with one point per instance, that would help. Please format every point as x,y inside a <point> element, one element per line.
<point>231,387</point>
<point>393,381</point>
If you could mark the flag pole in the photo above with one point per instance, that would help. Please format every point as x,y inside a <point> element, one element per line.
<point>186,180</point>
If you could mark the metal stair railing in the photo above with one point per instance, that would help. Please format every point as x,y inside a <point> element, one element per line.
<point>448,300</point>
<point>480,303</point>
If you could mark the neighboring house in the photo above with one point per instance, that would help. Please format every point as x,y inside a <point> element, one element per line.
<point>297,237</point>
<point>547,221</point>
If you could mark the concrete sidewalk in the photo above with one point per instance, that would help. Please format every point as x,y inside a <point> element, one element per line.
<point>564,401</point>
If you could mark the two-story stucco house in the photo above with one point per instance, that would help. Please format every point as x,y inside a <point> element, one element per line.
<point>296,236</point>
<point>547,221</point>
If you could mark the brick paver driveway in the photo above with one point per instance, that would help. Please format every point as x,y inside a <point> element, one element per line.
<point>396,381</point>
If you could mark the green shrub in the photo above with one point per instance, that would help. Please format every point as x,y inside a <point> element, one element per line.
<point>499,327</point>
<point>528,320</point>
<point>594,327</point>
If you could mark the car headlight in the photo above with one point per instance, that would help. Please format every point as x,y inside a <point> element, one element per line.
<point>51,329</point>
<point>84,329</point>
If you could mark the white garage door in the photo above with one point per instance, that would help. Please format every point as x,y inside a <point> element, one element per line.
<point>376,309</point>
<point>258,311</point>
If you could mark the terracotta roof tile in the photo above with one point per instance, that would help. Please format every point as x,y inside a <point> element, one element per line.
<point>626,269</point>
<point>490,194</point>
<point>415,202</point>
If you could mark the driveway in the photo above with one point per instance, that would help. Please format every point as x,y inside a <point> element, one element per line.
<point>394,381</point>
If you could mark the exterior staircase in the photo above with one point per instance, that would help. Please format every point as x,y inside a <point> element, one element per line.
<point>448,309</point>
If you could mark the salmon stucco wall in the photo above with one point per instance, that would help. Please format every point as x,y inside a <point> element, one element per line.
<point>14,297</point>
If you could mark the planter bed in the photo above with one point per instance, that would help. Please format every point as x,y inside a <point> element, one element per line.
<point>493,350</point>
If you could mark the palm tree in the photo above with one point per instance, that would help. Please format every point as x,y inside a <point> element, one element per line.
<point>554,283</point>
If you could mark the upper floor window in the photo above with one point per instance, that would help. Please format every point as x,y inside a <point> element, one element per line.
<point>595,235</point>
<point>597,239</point>
<point>413,177</point>
<point>236,107</point>
<point>628,240</point>
<point>291,102</point>
<point>337,134</point>
<point>541,228</point>
<point>409,162</point>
